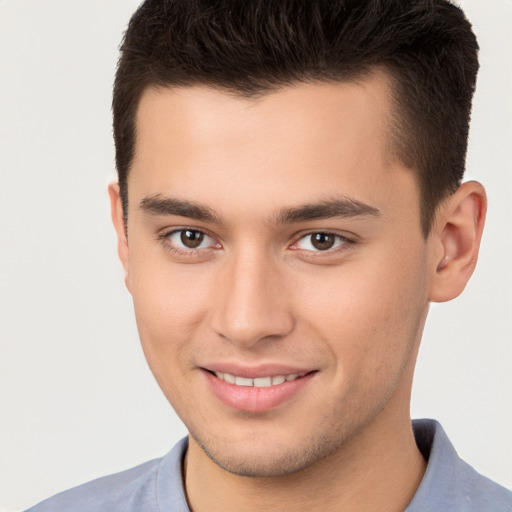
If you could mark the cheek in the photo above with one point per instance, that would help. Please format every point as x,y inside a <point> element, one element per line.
<point>370,312</point>
<point>170,302</point>
<point>167,315</point>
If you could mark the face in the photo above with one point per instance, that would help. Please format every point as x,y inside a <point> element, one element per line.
<point>277,268</point>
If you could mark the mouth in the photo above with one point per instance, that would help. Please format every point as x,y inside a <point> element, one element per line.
<point>258,390</point>
<point>257,382</point>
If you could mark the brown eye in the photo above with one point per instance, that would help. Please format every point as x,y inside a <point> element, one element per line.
<point>191,239</point>
<point>322,241</point>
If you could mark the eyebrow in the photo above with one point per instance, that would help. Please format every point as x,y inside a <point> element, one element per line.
<point>339,207</point>
<point>157,205</point>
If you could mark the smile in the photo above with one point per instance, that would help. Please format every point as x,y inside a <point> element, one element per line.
<point>258,390</point>
<point>258,382</point>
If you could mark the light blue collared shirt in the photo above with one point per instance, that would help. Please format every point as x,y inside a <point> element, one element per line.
<point>449,484</point>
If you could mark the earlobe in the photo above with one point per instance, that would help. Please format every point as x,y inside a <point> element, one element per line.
<point>116,209</point>
<point>457,232</point>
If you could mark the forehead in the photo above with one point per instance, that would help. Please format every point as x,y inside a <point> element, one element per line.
<point>291,144</point>
<point>313,112</point>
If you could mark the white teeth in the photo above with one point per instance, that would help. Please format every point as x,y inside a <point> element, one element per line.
<point>262,382</point>
<point>243,381</point>
<point>258,382</point>
<point>227,377</point>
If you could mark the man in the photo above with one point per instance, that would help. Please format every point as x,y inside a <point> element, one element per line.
<point>289,203</point>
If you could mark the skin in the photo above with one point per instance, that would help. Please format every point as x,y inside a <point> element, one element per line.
<point>257,292</point>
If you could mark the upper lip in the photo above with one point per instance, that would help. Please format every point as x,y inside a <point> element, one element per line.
<point>254,372</point>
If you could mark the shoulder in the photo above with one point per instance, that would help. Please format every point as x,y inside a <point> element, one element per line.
<point>450,483</point>
<point>132,490</point>
<point>112,492</point>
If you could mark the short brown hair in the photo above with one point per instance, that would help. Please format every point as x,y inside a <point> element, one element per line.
<point>251,47</point>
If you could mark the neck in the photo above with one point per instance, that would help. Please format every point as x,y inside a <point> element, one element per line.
<point>378,469</point>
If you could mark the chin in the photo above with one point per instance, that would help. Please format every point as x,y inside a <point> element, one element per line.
<point>266,460</point>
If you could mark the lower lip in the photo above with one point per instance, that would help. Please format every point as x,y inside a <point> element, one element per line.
<point>254,399</point>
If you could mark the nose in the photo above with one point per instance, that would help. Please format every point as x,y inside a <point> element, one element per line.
<point>252,304</point>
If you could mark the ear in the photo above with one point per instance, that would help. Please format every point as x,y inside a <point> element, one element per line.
<point>116,209</point>
<point>457,232</point>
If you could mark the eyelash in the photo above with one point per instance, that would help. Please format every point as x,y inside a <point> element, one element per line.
<point>165,240</point>
<point>346,243</point>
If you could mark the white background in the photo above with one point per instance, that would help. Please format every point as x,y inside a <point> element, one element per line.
<point>77,400</point>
